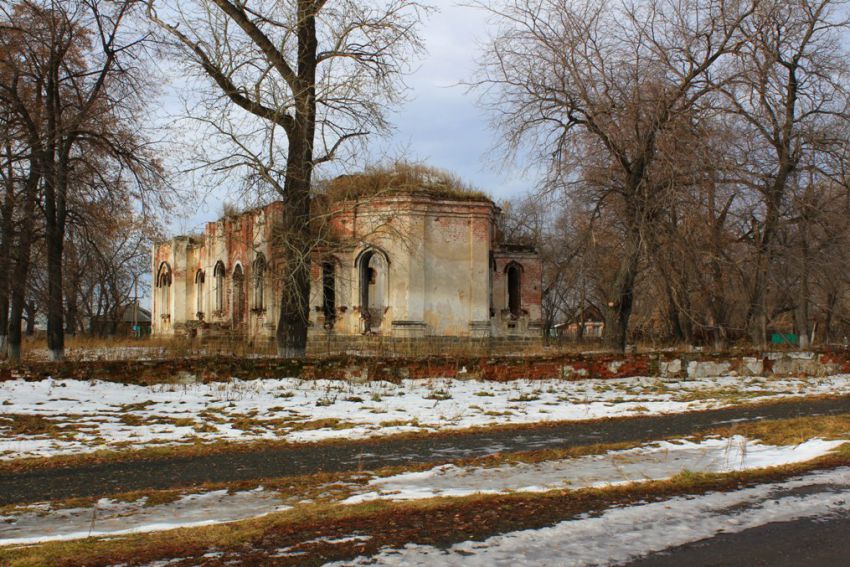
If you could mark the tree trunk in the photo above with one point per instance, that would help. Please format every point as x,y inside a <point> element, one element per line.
<point>677,332</point>
<point>54,207</point>
<point>30,311</point>
<point>619,308</point>
<point>71,311</point>
<point>802,311</point>
<point>831,303</point>
<point>757,319</point>
<point>15,321</point>
<point>21,265</point>
<point>55,307</point>
<point>717,304</point>
<point>18,295</point>
<point>6,236</point>
<point>295,301</point>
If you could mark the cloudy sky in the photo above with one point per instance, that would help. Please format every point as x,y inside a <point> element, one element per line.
<point>440,123</point>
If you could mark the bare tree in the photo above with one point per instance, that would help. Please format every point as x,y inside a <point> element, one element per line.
<point>790,89</point>
<point>10,175</point>
<point>290,83</point>
<point>596,88</point>
<point>21,175</point>
<point>75,85</point>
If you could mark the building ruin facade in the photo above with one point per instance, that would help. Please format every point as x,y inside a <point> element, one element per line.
<point>407,265</point>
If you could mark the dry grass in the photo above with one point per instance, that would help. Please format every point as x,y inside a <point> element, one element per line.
<point>198,448</point>
<point>371,518</point>
<point>791,431</point>
<point>401,178</point>
<point>81,348</point>
<point>27,424</point>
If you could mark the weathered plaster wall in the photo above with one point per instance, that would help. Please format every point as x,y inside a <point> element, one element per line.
<point>235,241</point>
<point>433,275</point>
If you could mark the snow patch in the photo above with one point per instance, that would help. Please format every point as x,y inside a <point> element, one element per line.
<point>657,461</point>
<point>97,415</point>
<point>622,534</point>
<point>110,518</point>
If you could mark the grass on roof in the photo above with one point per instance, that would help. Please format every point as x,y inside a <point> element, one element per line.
<point>402,179</point>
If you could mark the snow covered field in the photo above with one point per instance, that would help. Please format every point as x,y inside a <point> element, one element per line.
<point>60,417</point>
<point>621,534</point>
<point>657,461</point>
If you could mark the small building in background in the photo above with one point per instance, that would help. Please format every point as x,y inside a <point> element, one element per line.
<point>132,320</point>
<point>588,325</point>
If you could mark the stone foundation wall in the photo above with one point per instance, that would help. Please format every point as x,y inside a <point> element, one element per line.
<point>330,345</point>
<point>500,368</point>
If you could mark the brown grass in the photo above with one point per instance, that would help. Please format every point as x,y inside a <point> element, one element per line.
<point>791,431</point>
<point>402,178</point>
<point>81,348</point>
<point>28,424</point>
<point>199,448</point>
<point>391,523</point>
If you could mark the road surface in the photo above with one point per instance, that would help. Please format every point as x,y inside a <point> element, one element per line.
<point>116,477</point>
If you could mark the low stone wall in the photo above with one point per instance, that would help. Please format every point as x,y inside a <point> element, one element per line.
<point>378,345</point>
<point>499,368</point>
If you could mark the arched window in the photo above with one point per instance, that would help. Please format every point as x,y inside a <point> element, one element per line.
<point>218,281</point>
<point>238,295</point>
<point>199,293</point>
<point>163,283</point>
<point>329,292</point>
<point>514,277</point>
<point>260,282</point>
<point>372,266</point>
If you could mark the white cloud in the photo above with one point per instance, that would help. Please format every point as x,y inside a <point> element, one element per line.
<point>440,123</point>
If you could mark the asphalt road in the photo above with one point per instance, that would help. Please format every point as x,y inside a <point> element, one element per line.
<point>110,478</point>
<point>821,542</point>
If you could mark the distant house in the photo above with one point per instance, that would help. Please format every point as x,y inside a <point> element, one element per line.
<point>590,325</point>
<point>133,320</point>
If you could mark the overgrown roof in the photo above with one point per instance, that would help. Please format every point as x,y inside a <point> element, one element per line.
<point>402,179</point>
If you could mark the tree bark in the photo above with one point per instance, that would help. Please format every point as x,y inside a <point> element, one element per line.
<point>54,207</point>
<point>802,311</point>
<point>619,308</point>
<point>6,236</point>
<point>295,301</point>
<point>21,264</point>
<point>757,318</point>
<point>294,308</point>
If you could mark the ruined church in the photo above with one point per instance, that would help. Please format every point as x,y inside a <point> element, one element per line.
<point>401,256</point>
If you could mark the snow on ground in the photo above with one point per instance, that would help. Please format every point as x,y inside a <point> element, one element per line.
<point>40,523</point>
<point>78,416</point>
<point>650,462</point>
<point>622,534</point>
